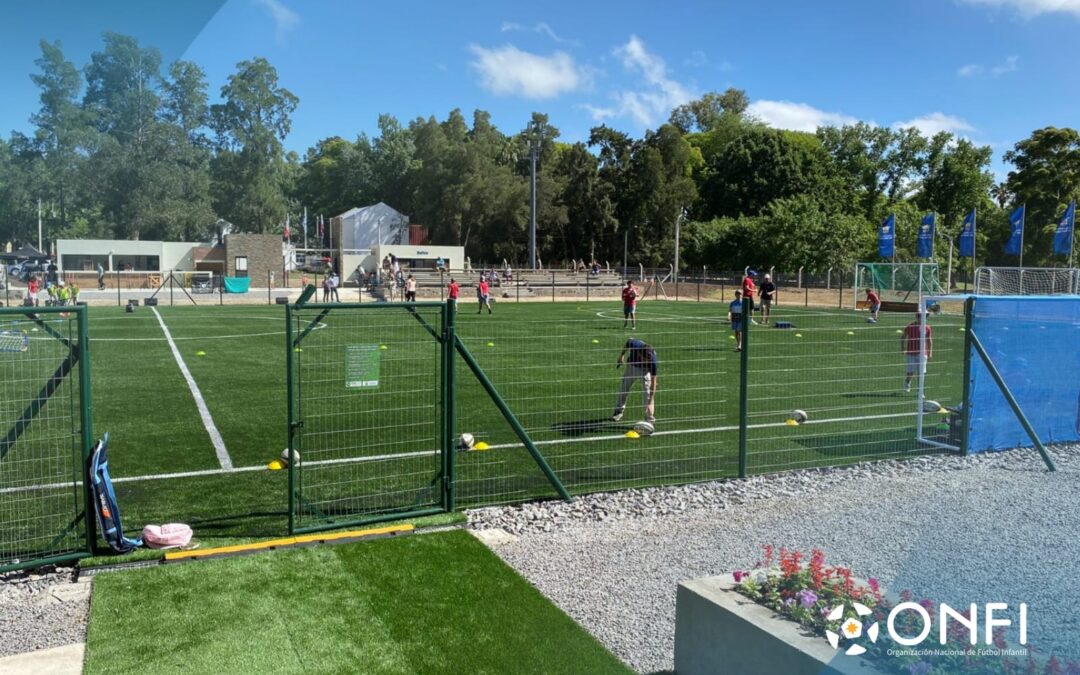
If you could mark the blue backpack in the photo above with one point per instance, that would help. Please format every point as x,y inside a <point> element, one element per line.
<point>108,513</point>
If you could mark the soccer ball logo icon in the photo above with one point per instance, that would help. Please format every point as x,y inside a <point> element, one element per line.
<point>851,629</point>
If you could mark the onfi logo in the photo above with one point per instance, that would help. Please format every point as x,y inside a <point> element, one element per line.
<point>852,629</point>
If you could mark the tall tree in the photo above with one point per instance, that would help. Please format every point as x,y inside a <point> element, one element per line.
<point>249,169</point>
<point>1046,177</point>
<point>705,113</point>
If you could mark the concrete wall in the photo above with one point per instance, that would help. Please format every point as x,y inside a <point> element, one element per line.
<point>112,253</point>
<point>263,253</point>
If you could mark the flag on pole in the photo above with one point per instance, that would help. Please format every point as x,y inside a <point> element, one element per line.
<point>1064,236</point>
<point>303,224</point>
<point>1015,244</point>
<point>924,246</point>
<point>320,228</point>
<point>286,232</point>
<point>967,236</point>
<point>885,237</point>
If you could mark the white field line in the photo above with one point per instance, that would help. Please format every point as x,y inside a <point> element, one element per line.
<point>200,402</point>
<point>430,453</point>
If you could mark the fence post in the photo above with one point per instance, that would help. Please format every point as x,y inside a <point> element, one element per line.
<point>268,301</point>
<point>170,288</point>
<point>449,400</point>
<point>87,420</point>
<point>588,285</point>
<point>553,285</point>
<point>118,300</point>
<point>800,276</point>
<point>744,389</point>
<point>840,292</point>
<point>290,422</point>
<point>806,300</point>
<point>965,400</point>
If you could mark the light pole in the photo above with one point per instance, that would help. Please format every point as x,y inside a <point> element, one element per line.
<point>535,128</point>
<point>678,222</point>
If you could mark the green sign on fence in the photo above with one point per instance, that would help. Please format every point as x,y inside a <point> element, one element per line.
<point>361,366</point>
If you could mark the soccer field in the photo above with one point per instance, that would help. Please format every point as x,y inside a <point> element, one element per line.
<point>194,399</point>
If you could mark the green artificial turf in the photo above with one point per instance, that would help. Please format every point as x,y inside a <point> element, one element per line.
<point>552,363</point>
<point>439,603</point>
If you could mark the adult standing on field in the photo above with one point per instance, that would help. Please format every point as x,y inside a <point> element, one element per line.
<point>641,362</point>
<point>100,277</point>
<point>748,290</point>
<point>765,295</point>
<point>410,289</point>
<point>918,348</point>
<point>453,290</point>
<point>482,294</point>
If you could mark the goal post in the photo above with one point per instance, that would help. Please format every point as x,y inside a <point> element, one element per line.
<point>901,286</point>
<point>1027,281</point>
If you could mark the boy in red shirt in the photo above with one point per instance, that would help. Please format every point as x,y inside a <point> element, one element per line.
<point>917,350</point>
<point>629,304</point>
<point>482,290</point>
<point>453,290</point>
<point>748,290</point>
<point>875,304</point>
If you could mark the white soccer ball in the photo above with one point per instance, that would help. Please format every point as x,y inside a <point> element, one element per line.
<point>466,441</point>
<point>644,428</point>
<point>285,459</point>
<point>798,416</point>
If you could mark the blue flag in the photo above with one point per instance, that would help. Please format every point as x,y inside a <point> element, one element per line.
<point>1064,236</point>
<point>1016,224</point>
<point>885,237</point>
<point>924,246</point>
<point>967,236</point>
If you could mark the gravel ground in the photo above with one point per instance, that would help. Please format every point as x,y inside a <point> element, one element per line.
<point>994,527</point>
<point>42,609</point>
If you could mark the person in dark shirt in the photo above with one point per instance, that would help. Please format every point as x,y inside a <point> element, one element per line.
<point>765,295</point>
<point>640,360</point>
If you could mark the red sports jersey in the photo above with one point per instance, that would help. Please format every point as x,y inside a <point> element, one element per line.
<point>483,288</point>
<point>454,290</point>
<point>911,339</point>
<point>748,287</point>
<point>629,296</point>
<point>873,298</point>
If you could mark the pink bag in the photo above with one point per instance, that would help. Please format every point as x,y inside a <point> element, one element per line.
<point>170,535</point>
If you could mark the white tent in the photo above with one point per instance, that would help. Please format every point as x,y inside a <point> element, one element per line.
<point>366,227</point>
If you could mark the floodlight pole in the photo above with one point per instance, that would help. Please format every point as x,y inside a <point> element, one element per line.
<point>534,149</point>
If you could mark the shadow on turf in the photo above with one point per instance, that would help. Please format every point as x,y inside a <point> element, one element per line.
<point>582,427</point>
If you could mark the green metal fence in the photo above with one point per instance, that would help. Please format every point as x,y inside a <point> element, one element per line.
<point>381,395</point>
<point>46,425</point>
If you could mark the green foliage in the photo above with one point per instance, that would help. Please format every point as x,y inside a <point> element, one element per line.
<point>1046,178</point>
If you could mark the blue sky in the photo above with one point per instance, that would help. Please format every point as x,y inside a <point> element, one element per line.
<point>990,70</point>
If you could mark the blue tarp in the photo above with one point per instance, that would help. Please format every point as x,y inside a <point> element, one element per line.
<point>1034,342</point>
<point>237,284</point>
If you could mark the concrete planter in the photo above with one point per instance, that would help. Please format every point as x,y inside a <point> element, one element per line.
<point>718,630</point>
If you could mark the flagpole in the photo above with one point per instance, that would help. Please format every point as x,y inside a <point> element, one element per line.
<point>1023,219</point>
<point>1072,230</point>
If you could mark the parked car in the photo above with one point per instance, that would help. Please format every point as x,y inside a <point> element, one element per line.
<point>24,268</point>
<point>316,264</point>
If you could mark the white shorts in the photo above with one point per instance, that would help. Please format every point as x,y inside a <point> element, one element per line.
<point>916,364</point>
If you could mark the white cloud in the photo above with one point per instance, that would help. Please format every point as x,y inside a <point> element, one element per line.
<point>652,102</point>
<point>1009,65</point>
<point>1032,8</point>
<point>508,71</point>
<point>599,113</point>
<point>931,124</point>
<point>541,28</point>
<point>796,116</point>
<point>284,18</point>
<point>697,59</point>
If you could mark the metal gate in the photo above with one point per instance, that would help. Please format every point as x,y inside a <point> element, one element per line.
<point>368,412</point>
<point>46,436</point>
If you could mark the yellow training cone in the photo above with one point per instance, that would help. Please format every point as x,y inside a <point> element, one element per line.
<point>382,346</point>
<point>298,350</point>
<point>792,423</point>
<point>276,465</point>
<point>798,334</point>
<point>632,434</point>
<point>596,342</point>
<point>491,344</point>
<point>481,446</point>
<point>851,332</point>
<point>200,353</point>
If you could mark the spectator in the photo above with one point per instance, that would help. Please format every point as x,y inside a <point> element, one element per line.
<point>100,277</point>
<point>410,289</point>
<point>326,288</point>
<point>335,281</point>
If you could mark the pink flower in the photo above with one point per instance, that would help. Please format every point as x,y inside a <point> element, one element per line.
<point>874,585</point>
<point>739,576</point>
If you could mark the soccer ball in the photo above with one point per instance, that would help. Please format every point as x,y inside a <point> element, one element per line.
<point>644,428</point>
<point>797,417</point>
<point>285,457</point>
<point>466,442</point>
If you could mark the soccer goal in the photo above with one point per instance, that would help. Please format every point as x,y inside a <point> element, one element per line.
<point>901,286</point>
<point>1027,281</point>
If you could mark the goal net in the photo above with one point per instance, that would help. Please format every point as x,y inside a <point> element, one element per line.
<point>901,286</point>
<point>1027,281</point>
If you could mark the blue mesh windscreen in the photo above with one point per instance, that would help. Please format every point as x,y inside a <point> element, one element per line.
<point>1034,342</point>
